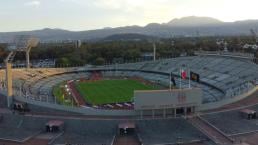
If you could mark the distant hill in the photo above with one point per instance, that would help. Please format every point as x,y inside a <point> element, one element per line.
<point>193,21</point>
<point>183,27</point>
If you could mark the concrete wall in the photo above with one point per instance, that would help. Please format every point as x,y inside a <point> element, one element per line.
<point>159,99</point>
<point>85,111</point>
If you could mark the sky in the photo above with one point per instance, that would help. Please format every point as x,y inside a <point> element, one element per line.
<point>78,15</point>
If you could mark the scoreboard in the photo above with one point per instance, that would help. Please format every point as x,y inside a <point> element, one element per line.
<point>159,99</point>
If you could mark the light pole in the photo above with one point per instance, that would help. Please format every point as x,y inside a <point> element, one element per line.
<point>22,43</point>
<point>154,52</point>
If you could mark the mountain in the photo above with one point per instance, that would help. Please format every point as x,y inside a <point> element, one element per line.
<point>194,21</point>
<point>183,27</point>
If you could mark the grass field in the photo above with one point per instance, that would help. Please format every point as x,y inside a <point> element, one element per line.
<point>110,91</point>
<point>59,94</point>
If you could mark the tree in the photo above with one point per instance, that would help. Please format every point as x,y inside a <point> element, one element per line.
<point>63,61</point>
<point>99,61</point>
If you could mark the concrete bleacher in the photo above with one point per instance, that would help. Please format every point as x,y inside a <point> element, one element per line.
<point>88,132</point>
<point>34,79</point>
<point>44,87</point>
<point>225,73</point>
<point>231,122</point>
<point>97,132</point>
<point>221,77</point>
<point>19,128</point>
<point>167,131</point>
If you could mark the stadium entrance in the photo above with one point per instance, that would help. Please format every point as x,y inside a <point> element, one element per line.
<point>167,103</point>
<point>167,112</point>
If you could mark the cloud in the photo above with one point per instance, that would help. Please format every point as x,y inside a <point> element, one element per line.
<point>73,1</point>
<point>124,5</point>
<point>118,4</point>
<point>140,12</point>
<point>33,3</point>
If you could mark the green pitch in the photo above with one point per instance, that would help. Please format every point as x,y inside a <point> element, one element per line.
<point>58,92</point>
<point>110,91</point>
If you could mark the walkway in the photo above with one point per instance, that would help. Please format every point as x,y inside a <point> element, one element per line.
<point>214,134</point>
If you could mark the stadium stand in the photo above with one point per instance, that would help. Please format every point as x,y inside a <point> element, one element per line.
<point>19,128</point>
<point>90,132</point>
<point>221,77</point>
<point>95,132</point>
<point>232,122</point>
<point>167,132</point>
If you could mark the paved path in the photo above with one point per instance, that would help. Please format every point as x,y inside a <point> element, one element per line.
<point>211,132</point>
<point>5,111</point>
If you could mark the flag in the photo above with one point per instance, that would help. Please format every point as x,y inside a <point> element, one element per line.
<point>183,74</point>
<point>195,76</point>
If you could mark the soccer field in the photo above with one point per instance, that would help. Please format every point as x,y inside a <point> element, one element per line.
<point>110,91</point>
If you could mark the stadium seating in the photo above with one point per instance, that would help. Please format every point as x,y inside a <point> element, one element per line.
<point>98,132</point>
<point>167,131</point>
<point>232,122</point>
<point>16,127</point>
<point>221,77</point>
<point>88,132</point>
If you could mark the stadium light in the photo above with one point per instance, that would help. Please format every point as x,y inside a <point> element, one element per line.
<point>21,43</point>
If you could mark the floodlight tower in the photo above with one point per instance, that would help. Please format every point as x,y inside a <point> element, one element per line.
<point>22,43</point>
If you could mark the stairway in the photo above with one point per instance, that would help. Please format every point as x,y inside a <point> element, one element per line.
<point>215,135</point>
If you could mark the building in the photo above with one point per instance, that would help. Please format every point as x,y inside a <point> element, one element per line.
<point>168,102</point>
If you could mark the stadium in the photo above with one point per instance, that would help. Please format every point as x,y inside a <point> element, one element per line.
<point>193,100</point>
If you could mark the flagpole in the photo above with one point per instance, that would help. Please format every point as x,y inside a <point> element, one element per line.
<point>170,81</point>
<point>180,78</point>
<point>189,77</point>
